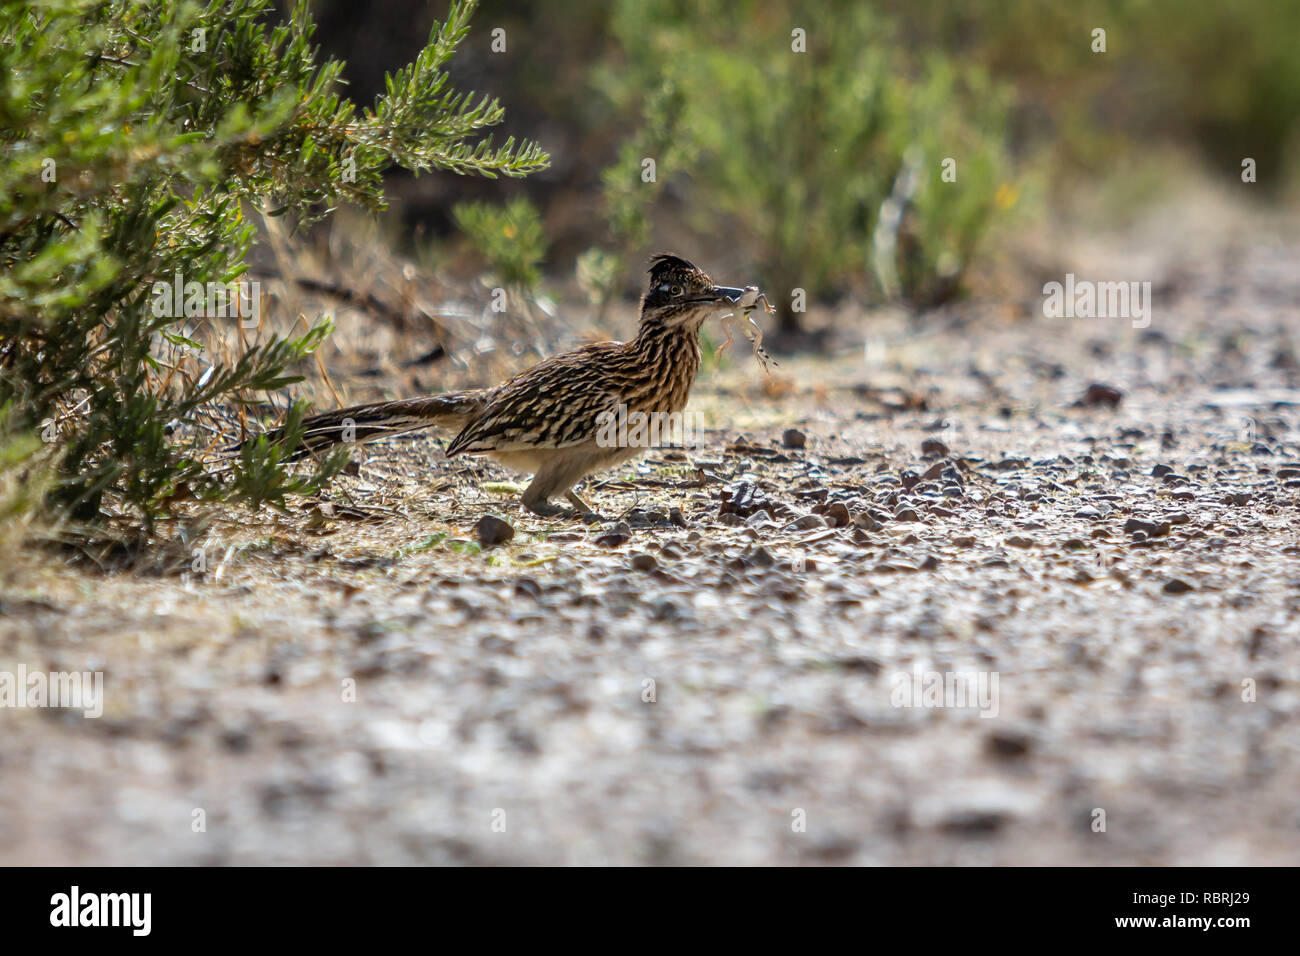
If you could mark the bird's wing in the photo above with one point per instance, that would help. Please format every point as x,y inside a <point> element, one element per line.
<point>557,403</point>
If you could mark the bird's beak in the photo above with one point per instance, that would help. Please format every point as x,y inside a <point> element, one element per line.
<point>725,295</point>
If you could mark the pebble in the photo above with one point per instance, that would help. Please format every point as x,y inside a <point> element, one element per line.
<point>612,539</point>
<point>641,561</point>
<point>1008,743</point>
<point>1150,529</point>
<point>492,530</point>
<point>793,438</point>
<point>868,522</point>
<point>837,515</point>
<point>1099,395</point>
<point>806,523</point>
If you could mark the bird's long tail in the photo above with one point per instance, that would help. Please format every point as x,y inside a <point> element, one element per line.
<point>365,423</point>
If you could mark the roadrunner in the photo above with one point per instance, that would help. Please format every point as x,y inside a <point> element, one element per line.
<point>545,420</point>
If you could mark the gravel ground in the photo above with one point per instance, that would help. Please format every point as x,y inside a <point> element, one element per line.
<point>719,672</point>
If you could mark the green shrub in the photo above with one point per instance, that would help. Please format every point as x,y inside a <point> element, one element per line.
<point>922,255</point>
<point>800,149</point>
<point>630,187</point>
<point>509,238</point>
<point>134,135</point>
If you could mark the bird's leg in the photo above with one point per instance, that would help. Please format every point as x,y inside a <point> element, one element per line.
<point>553,479</point>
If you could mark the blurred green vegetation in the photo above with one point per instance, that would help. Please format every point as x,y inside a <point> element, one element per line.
<point>778,164</point>
<point>509,238</point>
<point>801,128</point>
<point>1221,79</point>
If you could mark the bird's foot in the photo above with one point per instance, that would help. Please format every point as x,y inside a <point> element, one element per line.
<point>548,510</point>
<point>544,509</point>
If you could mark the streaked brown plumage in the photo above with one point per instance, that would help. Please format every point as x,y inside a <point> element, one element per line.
<point>545,420</point>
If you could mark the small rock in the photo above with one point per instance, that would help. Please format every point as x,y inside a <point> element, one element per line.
<point>676,517</point>
<point>906,514</point>
<point>612,539</point>
<point>793,438</point>
<point>1008,743</point>
<point>491,530</point>
<point>1238,498</point>
<point>643,562</point>
<point>1150,529</point>
<point>867,522</point>
<point>837,515</point>
<point>1177,586</point>
<point>1099,395</point>
<point>933,448</point>
<point>1159,471</point>
<point>666,610</point>
<point>806,523</point>
<point>742,498</point>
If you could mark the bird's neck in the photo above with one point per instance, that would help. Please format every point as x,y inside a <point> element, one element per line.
<point>669,357</point>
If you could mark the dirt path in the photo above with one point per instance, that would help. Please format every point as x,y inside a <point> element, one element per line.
<point>1115,580</point>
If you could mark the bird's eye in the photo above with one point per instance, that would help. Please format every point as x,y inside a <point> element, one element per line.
<point>675,290</point>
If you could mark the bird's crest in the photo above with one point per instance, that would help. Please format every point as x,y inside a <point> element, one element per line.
<point>664,266</point>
